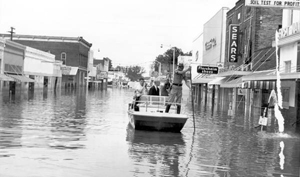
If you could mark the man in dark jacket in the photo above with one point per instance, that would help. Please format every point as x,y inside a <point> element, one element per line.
<point>154,90</point>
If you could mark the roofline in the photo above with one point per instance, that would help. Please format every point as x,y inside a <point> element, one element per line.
<point>24,37</point>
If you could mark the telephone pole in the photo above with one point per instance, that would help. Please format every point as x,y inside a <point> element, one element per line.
<point>11,32</point>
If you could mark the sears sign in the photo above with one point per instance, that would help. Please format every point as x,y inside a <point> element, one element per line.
<point>233,42</point>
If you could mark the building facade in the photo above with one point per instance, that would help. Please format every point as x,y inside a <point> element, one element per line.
<point>12,77</point>
<point>249,73</point>
<point>212,53</point>
<point>214,39</point>
<point>27,69</point>
<point>250,32</point>
<point>73,52</point>
<point>43,69</point>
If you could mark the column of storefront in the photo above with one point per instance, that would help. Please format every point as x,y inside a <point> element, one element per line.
<point>1,62</point>
<point>234,100</point>
<point>297,99</point>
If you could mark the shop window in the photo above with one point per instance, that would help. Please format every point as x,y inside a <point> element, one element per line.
<point>239,17</point>
<point>248,12</point>
<point>63,57</point>
<point>285,97</point>
<point>287,66</point>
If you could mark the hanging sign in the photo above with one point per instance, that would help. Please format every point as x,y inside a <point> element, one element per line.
<point>233,42</point>
<point>289,4</point>
<point>207,69</point>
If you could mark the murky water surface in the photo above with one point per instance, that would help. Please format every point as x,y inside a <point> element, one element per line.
<point>81,135</point>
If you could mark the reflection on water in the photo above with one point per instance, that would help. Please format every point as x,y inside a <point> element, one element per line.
<point>74,133</point>
<point>161,152</point>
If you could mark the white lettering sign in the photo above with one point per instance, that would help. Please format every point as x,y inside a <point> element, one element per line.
<point>233,42</point>
<point>289,4</point>
<point>290,30</point>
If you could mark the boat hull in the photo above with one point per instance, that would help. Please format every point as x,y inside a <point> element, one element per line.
<point>157,121</point>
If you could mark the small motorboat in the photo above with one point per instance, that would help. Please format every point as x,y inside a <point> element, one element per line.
<point>152,116</point>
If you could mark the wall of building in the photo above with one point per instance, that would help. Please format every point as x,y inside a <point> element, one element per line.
<point>13,59</point>
<point>267,21</point>
<point>1,60</point>
<point>77,54</point>
<point>257,31</point>
<point>288,53</point>
<point>1,55</point>
<point>198,49</point>
<point>41,67</point>
<point>213,38</point>
<point>56,48</point>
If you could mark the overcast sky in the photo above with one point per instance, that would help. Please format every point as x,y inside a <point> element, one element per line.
<point>129,32</point>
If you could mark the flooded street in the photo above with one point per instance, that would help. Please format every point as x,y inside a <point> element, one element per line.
<point>87,135</point>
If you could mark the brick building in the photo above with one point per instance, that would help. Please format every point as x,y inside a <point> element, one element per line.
<point>256,30</point>
<point>72,51</point>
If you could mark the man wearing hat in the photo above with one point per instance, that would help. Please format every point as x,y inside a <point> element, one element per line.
<point>176,91</point>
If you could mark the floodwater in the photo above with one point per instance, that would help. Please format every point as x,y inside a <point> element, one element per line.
<point>74,134</point>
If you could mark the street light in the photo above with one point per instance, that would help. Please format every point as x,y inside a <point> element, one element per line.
<point>173,48</point>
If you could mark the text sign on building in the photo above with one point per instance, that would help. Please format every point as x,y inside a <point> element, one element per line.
<point>207,69</point>
<point>65,70</point>
<point>290,30</point>
<point>102,75</point>
<point>233,42</point>
<point>292,4</point>
<point>210,44</point>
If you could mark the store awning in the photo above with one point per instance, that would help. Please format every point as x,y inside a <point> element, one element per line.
<point>236,83</point>
<point>73,71</point>
<point>3,77</point>
<point>234,73</point>
<point>20,78</point>
<point>69,70</point>
<point>270,75</point>
<point>261,75</point>
<point>202,80</point>
<point>216,81</point>
<point>268,85</point>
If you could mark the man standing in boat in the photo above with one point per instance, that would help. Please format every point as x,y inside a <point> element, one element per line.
<point>176,91</point>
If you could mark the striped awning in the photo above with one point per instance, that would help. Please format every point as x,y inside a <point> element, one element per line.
<point>236,83</point>
<point>268,85</point>
<point>20,78</point>
<point>3,77</point>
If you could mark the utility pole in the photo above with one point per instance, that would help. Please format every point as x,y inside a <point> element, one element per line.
<point>11,32</point>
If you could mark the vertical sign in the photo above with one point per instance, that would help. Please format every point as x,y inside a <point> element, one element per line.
<point>233,42</point>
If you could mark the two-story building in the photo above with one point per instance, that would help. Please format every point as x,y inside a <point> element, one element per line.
<point>73,52</point>
<point>250,32</point>
<point>43,69</point>
<point>12,77</point>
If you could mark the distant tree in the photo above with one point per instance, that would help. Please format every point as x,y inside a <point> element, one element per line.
<point>190,53</point>
<point>167,58</point>
<point>135,72</point>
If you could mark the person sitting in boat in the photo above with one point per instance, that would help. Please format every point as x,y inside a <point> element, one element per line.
<point>140,90</point>
<point>166,88</point>
<point>154,90</point>
<point>176,91</point>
